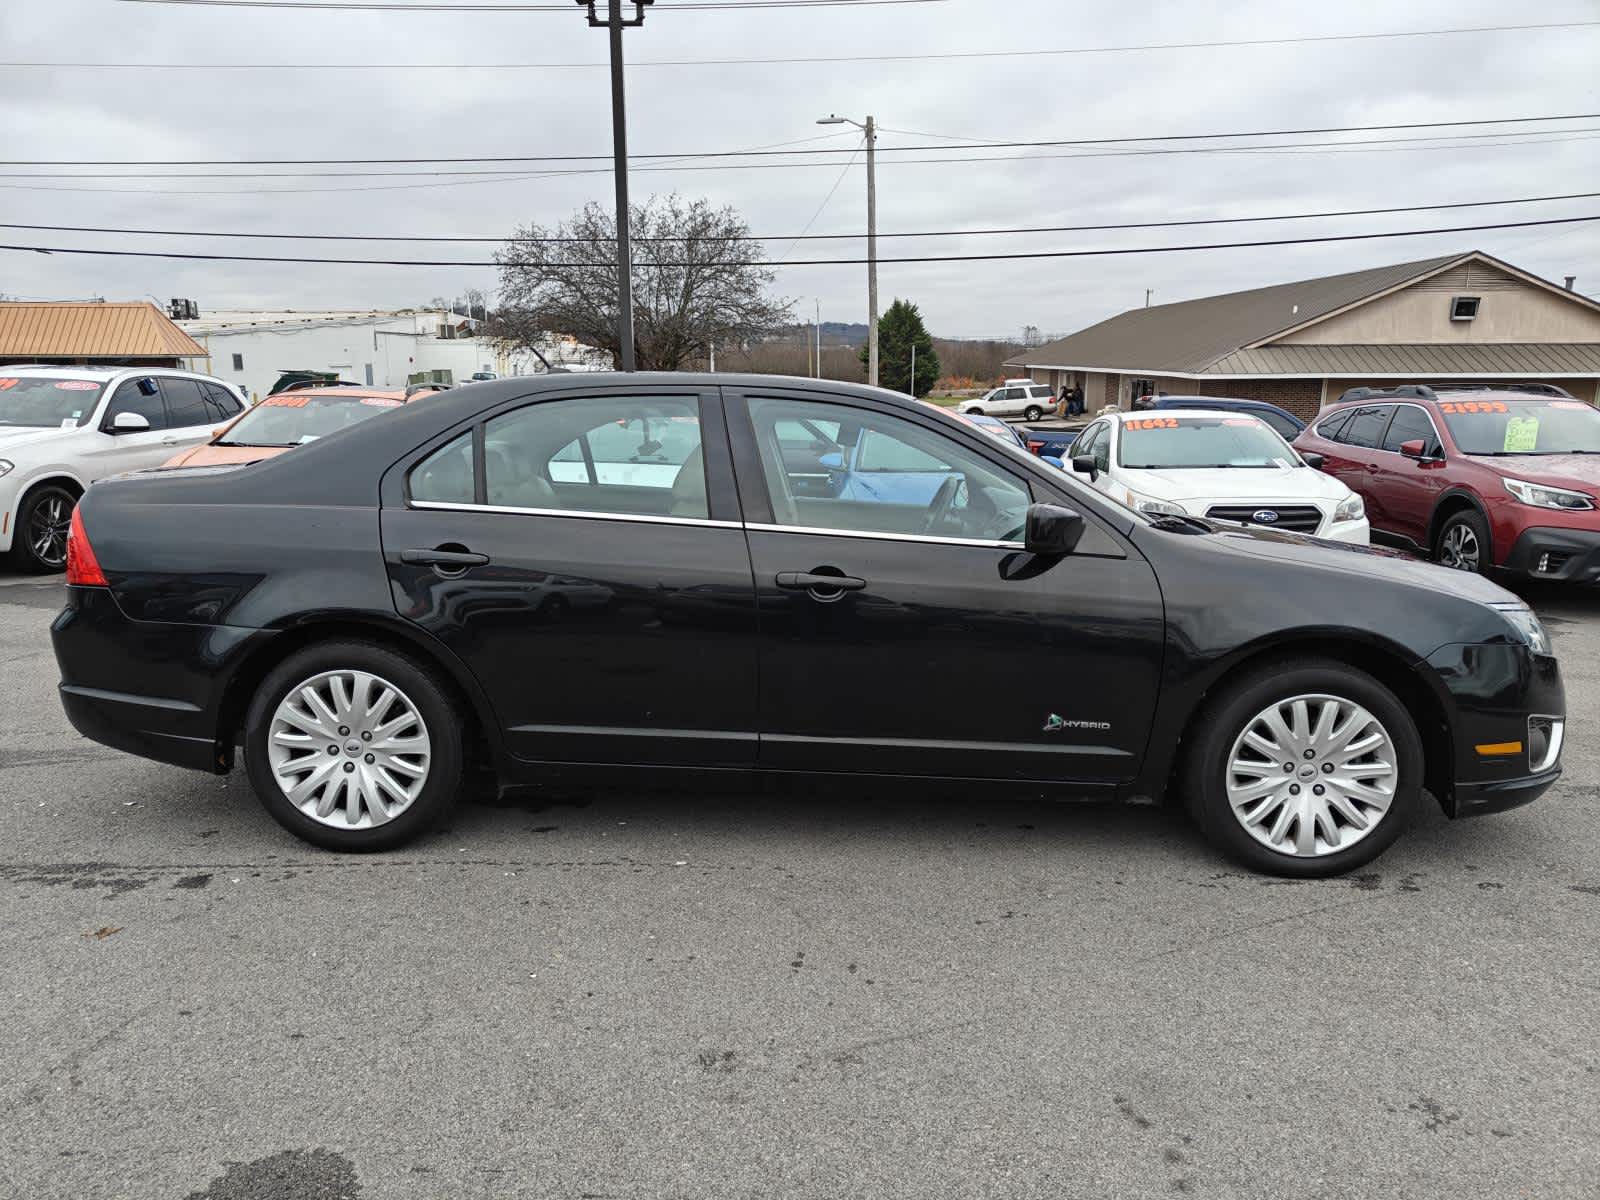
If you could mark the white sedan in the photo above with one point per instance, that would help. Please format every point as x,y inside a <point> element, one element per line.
<point>1221,465</point>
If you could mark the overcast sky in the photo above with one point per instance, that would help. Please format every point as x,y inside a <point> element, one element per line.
<point>153,113</point>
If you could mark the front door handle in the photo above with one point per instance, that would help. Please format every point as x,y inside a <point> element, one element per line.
<point>814,581</point>
<point>458,560</point>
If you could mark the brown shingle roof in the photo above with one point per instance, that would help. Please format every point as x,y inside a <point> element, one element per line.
<point>1416,360</point>
<point>71,330</point>
<point>1190,336</point>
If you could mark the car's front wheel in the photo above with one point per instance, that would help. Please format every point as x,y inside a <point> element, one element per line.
<point>1032,413</point>
<point>39,538</point>
<point>975,411</point>
<point>1305,768</point>
<point>354,747</point>
<point>1463,543</point>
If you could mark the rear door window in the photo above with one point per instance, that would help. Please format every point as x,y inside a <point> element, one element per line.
<point>186,403</point>
<point>220,402</point>
<point>1366,426</point>
<point>1331,427</point>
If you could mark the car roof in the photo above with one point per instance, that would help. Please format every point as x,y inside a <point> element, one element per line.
<point>1209,414</point>
<point>45,370</point>
<point>345,393</point>
<point>1444,393</point>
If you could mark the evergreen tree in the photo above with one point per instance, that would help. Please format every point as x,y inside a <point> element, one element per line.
<point>899,330</point>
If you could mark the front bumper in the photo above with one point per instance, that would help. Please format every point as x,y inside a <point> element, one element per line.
<point>1357,532</point>
<point>151,688</point>
<point>1502,695</point>
<point>1567,555</point>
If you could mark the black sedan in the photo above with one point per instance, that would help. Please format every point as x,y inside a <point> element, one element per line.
<point>609,574</point>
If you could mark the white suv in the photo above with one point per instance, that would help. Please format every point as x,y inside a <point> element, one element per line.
<point>1013,398</point>
<point>62,428</point>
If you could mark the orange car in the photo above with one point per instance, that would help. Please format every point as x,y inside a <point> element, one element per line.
<point>289,419</point>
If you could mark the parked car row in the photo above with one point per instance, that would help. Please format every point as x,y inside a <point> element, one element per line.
<point>632,575</point>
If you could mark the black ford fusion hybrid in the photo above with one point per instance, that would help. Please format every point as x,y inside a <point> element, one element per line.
<point>614,573</point>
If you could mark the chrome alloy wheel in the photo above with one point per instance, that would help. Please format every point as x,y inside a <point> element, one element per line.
<point>48,526</point>
<point>1459,548</point>
<point>1312,775</point>
<point>348,749</point>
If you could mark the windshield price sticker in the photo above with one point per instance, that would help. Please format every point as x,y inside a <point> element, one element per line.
<point>286,402</point>
<point>76,385</point>
<point>1151,423</point>
<point>1578,404</point>
<point>380,402</point>
<point>1473,406</point>
<point>1522,435</point>
<point>8,384</point>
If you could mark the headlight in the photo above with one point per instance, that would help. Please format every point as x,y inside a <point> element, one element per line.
<point>1540,496</point>
<point>1151,507</point>
<point>1522,619</point>
<point>5,467</point>
<point>1350,508</point>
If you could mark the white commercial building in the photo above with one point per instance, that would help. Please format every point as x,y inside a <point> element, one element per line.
<point>379,349</point>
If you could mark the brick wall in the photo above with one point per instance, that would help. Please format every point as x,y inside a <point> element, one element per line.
<point>1302,397</point>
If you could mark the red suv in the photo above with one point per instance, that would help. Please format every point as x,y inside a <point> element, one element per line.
<point>1479,479</point>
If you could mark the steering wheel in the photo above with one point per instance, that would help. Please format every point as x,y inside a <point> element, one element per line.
<point>941,504</point>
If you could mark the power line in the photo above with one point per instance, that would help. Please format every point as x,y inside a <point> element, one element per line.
<point>817,262</point>
<point>773,61</point>
<point>806,235</point>
<point>389,6</point>
<point>774,149</point>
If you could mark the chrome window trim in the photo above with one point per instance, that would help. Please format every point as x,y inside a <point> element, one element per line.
<point>932,539</point>
<point>645,519</point>
<point>587,514</point>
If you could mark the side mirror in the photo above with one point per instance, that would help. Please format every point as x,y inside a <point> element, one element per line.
<point>834,460</point>
<point>1054,461</point>
<point>1416,448</point>
<point>1314,461</point>
<point>1052,530</point>
<point>1084,464</point>
<point>129,422</point>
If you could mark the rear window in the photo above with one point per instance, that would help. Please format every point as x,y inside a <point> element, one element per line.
<point>295,417</point>
<point>46,403</point>
<point>1041,390</point>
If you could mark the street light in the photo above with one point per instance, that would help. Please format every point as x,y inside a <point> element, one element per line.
<point>615,23</point>
<point>871,130</point>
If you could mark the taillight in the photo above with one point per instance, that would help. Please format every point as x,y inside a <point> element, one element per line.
<point>83,569</point>
<point>1035,447</point>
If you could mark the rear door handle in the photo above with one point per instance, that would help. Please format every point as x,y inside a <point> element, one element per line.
<point>455,559</point>
<point>806,581</point>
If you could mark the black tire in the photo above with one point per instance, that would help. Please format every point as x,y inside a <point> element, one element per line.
<point>1469,527</point>
<point>975,412</point>
<point>53,505</point>
<point>1032,413</point>
<point>434,701</point>
<point>1231,711</point>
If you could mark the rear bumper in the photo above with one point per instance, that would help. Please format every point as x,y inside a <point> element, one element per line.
<point>151,688</point>
<point>1567,555</point>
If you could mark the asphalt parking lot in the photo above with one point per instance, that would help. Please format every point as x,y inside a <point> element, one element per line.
<point>801,995</point>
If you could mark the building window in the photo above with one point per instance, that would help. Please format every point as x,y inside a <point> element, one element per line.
<point>1463,308</point>
<point>238,362</point>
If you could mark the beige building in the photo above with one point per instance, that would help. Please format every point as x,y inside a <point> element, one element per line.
<point>1459,319</point>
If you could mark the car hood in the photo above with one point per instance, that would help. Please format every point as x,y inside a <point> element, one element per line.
<point>1302,550</point>
<point>1240,483</point>
<point>14,437</point>
<point>1580,471</point>
<point>209,455</point>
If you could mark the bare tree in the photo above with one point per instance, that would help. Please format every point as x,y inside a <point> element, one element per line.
<point>696,283</point>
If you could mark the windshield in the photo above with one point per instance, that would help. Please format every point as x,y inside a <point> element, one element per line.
<point>292,419</point>
<point>1523,426</point>
<point>49,403</point>
<point>1175,443</point>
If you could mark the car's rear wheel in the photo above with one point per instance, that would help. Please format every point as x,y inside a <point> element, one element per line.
<point>354,747</point>
<point>975,412</point>
<point>39,538</point>
<point>1032,413</point>
<point>1305,768</point>
<point>1463,542</point>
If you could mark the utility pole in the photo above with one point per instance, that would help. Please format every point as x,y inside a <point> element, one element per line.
<point>1147,292</point>
<point>615,24</point>
<point>819,339</point>
<point>913,388</point>
<point>870,128</point>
